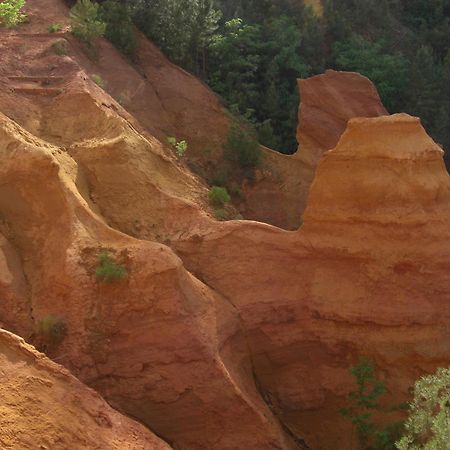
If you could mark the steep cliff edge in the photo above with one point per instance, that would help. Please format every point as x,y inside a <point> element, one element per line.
<point>367,274</point>
<point>231,335</point>
<point>43,406</point>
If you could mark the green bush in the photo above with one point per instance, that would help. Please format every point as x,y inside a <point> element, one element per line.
<point>218,196</point>
<point>364,401</point>
<point>60,48</point>
<point>221,214</point>
<point>54,28</point>
<point>52,330</point>
<point>428,426</point>
<point>180,147</point>
<point>119,26</point>
<point>85,21</point>
<point>242,148</point>
<point>108,270</point>
<point>99,81</point>
<point>10,13</point>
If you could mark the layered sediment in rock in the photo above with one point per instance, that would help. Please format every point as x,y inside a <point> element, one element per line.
<point>160,345</point>
<point>244,337</point>
<point>44,406</point>
<point>328,102</point>
<point>366,275</point>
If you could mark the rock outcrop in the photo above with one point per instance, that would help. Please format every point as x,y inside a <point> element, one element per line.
<point>328,102</point>
<point>367,274</point>
<point>222,336</point>
<point>160,345</point>
<point>44,407</point>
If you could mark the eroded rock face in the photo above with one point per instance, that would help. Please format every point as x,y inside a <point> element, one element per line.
<point>44,406</point>
<point>159,345</point>
<point>244,336</point>
<point>328,102</point>
<point>367,274</point>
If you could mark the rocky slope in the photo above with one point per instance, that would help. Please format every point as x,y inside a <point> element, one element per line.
<point>223,335</point>
<point>44,407</point>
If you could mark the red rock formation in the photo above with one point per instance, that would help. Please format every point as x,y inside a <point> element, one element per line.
<point>159,345</point>
<point>253,326</point>
<point>328,102</point>
<point>367,274</point>
<point>44,406</point>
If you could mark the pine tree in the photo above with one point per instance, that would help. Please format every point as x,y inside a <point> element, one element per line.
<point>85,22</point>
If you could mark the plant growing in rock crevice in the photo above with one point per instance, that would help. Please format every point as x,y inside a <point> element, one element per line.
<point>51,331</point>
<point>218,196</point>
<point>109,270</point>
<point>180,147</point>
<point>364,402</point>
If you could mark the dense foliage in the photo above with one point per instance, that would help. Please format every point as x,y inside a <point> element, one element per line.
<point>252,51</point>
<point>428,424</point>
<point>10,13</point>
<point>85,21</point>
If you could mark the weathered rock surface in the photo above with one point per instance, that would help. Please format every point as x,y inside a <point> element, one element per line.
<point>328,102</point>
<point>367,274</point>
<point>244,337</point>
<point>43,406</point>
<point>159,345</point>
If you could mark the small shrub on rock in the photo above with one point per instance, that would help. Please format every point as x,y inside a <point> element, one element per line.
<point>108,270</point>
<point>11,13</point>
<point>180,147</point>
<point>218,196</point>
<point>221,214</point>
<point>60,48</point>
<point>99,81</point>
<point>242,148</point>
<point>54,28</point>
<point>52,330</point>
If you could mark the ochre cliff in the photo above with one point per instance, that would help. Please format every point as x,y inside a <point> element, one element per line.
<point>43,406</point>
<point>367,274</point>
<point>328,102</point>
<point>224,335</point>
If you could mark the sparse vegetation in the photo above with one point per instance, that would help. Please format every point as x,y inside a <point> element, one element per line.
<point>109,270</point>
<point>365,401</point>
<point>60,48</point>
<point>235,190</point>
<point>180,147</point>
<point>51,330</point>
<point>221,214</point>
<point>85,21</point>
<point>218,196</point>
<point>428,424</point>
<point>242,148</point>
<point>54,28</point>
<point>99,81</point>
<point>11,13</point>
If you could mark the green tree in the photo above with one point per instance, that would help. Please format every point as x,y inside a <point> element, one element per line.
<point>428,424</point>
<point>119,26</point>
<point>183,29</point>
<point>388,71</point>
<point>235,61</point>
<point>85,21</point>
